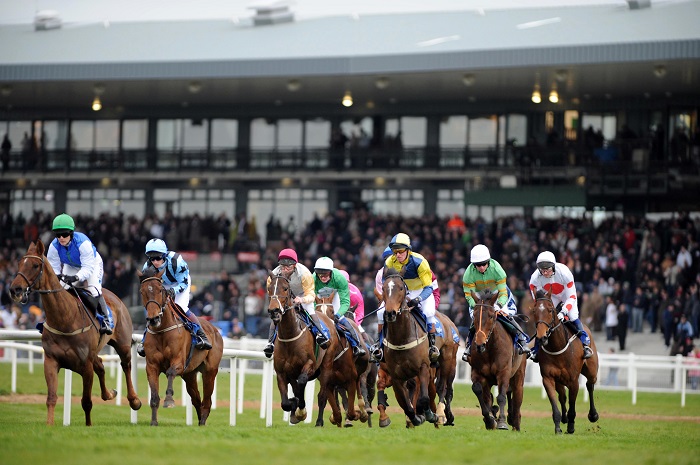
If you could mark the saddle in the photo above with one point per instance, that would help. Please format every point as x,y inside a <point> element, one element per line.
<point>91,302</point>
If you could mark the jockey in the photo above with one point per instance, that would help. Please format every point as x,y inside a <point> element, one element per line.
<point>558,277</point>
<point>302,287</point>
<point>356,300</point>
<point>377,352</point>
<point>77,262</point>
<point>419,279</point>
<point>486,273</point>
<point>176,280</point>
<point>326,276</point>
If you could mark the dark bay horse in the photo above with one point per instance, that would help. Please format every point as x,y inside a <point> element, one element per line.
<point>71,337</point>
<point>406,352</point>
<point>298,360</point>
<point>169,349</point>
<point>495,362</point>
<point>348,370</point>
<point>561,362</point>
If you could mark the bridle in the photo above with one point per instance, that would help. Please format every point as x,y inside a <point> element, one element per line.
<point>324,305</point>
<point>273,291</point>
<point>551,325</point>
<point>483,306</point>
<point>161,304</point>
<point>391,315</point>
<point>37,279</point>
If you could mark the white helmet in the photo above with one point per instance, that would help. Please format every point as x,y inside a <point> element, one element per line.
<point>480,253</point>
<point>323,264</point>
<point>546,260</point>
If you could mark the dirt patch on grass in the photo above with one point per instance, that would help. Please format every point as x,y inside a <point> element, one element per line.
<point>41,399</point>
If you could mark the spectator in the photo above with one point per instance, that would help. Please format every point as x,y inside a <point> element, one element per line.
<point>611,319</point>
<point>622,325</point>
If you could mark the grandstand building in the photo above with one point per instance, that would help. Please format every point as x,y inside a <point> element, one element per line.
<point>282,108</point>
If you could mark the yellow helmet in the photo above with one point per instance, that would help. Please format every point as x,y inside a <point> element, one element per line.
<point>400,241</point>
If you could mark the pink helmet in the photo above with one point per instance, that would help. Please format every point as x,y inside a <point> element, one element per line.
<point>287,257</point>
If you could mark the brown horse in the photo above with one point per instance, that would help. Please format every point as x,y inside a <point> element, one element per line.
<point>495,362</point>
<point>298,360</point>
<point>71,337</point>
<point>169,349</point>
<point>348,370</point>
<point>561,363</point>
<point>406,352</point>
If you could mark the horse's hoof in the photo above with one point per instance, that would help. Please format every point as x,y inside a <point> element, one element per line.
<point>293,419</point>
<point>168,403</point>
<point>364,416</point>
<point>348,424</point>
<point>301,414</point>
<point>112,394</point>
<point>154,423</point>
<point>502,425</point>
<point>384,423</point>
<point>593,417</point>
<point>135,404</point>
<point>441,420</point>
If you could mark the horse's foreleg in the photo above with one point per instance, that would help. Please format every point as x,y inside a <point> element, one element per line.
<point>322,399</point>
<point>86,401</point>
<point>402,397</point>
<point>427,393</point>
<point>286,402</point>
<point>298,411</point>
<point>361,401</point>
<point>561,395</point>
<point>592,412</point>
<point>124,352</point>
<point>99,369</point>
<point>548,384</point>
<point>336,417</point>
<point>482,392</point>
<point>152,373</point>
<point>193,391</point>
<point>208,381</point>
<point>51,375</point>
<point>169,402</point>
<point>573,394</point>
<point>502,401</point>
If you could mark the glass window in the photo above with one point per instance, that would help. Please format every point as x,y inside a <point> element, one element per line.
<point>318,134</point>
<point>224,134</point>
<point>16,131</point>
<point>413,131</point>
<point>82,135</point>
<point>107,135</point>
<point>482,131</point>
<point>135,134</point>
<point>289,133</point>
<point>181,134</point>
<point>453,131</point>
<point>55,133</point>
<point>262,134</point>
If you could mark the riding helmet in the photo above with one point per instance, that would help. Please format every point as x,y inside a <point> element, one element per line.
<point>400,241</point>
<point>546,260</point>
<point>287,257</point>
<point>63,222</point>
<point>480,253</point>
<point>323,264</point>
<point>156,248</point>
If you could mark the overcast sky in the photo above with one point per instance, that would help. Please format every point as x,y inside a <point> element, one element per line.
<point>22,11</point>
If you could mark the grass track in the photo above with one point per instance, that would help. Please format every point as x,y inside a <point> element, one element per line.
<point>640,439</point>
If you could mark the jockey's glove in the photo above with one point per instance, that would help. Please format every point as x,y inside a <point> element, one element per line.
<point>413,303</point>
<point>561,316</point>
<point>171,293</point>
<point>70,279</point>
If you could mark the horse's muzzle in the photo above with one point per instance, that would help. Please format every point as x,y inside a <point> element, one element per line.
<point>18,294</point>
<point>390,317</point>
<point>275,314</point>
<point>481,348</point>
<point>153,322</point>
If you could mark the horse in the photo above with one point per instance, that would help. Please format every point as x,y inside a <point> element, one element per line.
<point>169,349</point>
<point>297,360</point>
<point>349,369</point>
<point>561,363</point>
<point>495,362</point>
<point>71,338</point>
<point>406,352</point>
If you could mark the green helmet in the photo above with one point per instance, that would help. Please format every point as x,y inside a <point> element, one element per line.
<point>63,221</point>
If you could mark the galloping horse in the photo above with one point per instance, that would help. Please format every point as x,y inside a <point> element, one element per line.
<point>297,360</point>
<point>348,371</point>
<point>169,349</point>
<point>406,352</point>
<point>561,362</point>
<point>495,361</point>
<point>71,337</point>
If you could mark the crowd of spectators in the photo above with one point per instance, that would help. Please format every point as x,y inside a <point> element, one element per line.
<point>651,268</point>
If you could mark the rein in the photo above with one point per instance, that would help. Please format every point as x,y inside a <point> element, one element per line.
<point>551,327</point>
<point>282,309</point>
<point>409,345</point>
<point>479,330</point>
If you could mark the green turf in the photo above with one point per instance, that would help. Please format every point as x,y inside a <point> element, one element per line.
<point>625,434</point>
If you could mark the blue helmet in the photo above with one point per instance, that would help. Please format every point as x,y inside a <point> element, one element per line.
<point>156,248</point>
<point>386,253</point>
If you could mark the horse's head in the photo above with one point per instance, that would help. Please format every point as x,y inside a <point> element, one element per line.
<point>394,292</point>
<point>324,301</point>
<point>484,317</point>
<point>153,295</point>
<point>29,272</point>
<point>545,315</point>
<point>279,290</point>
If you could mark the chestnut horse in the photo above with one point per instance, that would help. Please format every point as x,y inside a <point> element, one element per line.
<point>561,363</point>
<point>406,352</point>
<point>348,370</point>
<point>495,362</point>
<point>71,338</point>
<point>297,359</point>
<point>169,349</point>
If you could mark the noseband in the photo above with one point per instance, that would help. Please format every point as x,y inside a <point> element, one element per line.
<point>152,301</point>
<point>272,291</point>
<point>390,285</point>
<point>554,323</point>
<point>481,318</point>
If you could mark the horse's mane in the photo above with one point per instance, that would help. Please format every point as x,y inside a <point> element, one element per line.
<point>149,272</point>
<point>485,294</point>
<point>390,272</point>
<point>540,294</point>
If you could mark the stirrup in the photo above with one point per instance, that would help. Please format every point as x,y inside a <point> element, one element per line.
<point>140,350</point>
<point>534,356</point>
<point>269,349</point>
<point>322,341</point>
<point>105,329</point>
<point>377,354</point>
<point>587,352</point>
<point>358,351</point>
<point>466,355</point>
<point>433,354</point>
<point>203,343</point>
<point>523,349</point>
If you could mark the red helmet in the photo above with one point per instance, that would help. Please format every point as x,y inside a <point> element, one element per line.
<point>287,257</point>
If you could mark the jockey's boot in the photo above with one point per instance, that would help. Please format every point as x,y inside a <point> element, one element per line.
<point>587,352</point>
<point>585,340</point>
<point>202,340</point>
<point>107,326</point>
<point>376,350</point>
<point>433,351</point>
<point>270,347</point>
<point>518,334</point>
<point>357,349</point>
<point>139,347</point>
<point>468,346</point>
<point>535,350</point>
<point>321,338</point>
